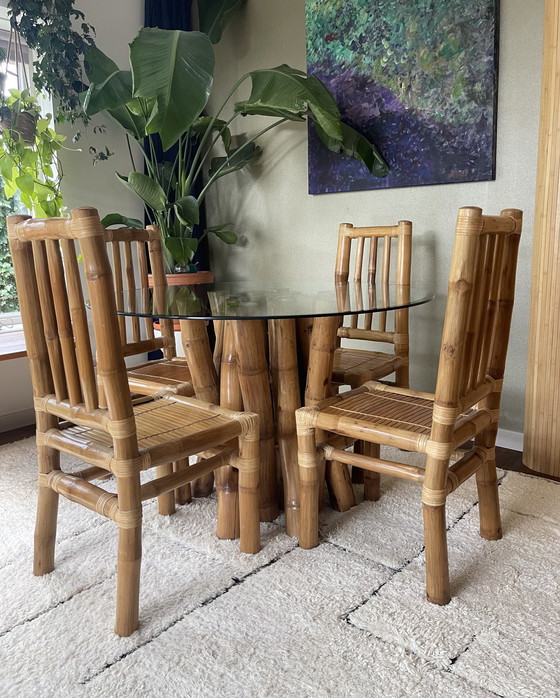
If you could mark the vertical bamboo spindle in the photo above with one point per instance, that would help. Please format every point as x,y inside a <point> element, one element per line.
<point>204,380</point>
<point>542,407</point>
<point>250,342</point>
<point>227,480</point>
<point>323,341</point>
<point>285,386</point>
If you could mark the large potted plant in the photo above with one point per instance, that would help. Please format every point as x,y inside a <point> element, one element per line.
<point>162,97</point>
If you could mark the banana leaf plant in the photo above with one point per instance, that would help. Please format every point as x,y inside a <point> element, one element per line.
<point>162,96</point>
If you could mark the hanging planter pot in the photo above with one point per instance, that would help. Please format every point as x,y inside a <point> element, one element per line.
<point>20,124</point>
<point>18,113</point>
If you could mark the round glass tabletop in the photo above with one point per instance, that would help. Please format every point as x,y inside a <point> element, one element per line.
<point>268,300</point>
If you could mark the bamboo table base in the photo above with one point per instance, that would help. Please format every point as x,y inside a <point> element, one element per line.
<point>244,382</point>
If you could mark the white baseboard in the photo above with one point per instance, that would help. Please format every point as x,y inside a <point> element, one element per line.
<point>510,439</point>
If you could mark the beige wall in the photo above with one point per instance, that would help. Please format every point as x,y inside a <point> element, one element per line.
<point>288,233</point>
<point>116,24</point>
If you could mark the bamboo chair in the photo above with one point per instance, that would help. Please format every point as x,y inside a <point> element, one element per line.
<point>466,403</point>
<point>353,366</point>
<point>128,245</point>
<point>124,438</point>
<point>147,378</point>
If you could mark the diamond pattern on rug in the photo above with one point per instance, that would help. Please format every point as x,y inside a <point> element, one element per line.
<point>282,632</point>
<point>504,597</point>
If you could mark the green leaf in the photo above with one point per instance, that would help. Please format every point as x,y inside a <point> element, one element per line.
<point>182,249</point>
<point>214,15</point>
<point>114,92</point>
<point>187,210</point>
<point>25,183</point>
<point>288,93</point>
<point>236,160</point>
<point>119,219</point>
<point>6,167</point>
<point>50,208</point>
<point>29,158</point>
<point>10,188</point>
<point>146,188</point>
<point>111,90</point>
<point>227,236</point>
<point>358,147</point>
<point>177,68</point>
<point>133,124</point>
<point>201,125</point>
<point>98,65</point>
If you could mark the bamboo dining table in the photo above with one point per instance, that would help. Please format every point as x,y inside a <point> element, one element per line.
<point>276,342</point>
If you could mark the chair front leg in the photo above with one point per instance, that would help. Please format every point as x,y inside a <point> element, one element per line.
<point>129,555</point>
<point>435,533</point>
<point>48,459</point>
<point>128,580</point>
<point>248,465</point>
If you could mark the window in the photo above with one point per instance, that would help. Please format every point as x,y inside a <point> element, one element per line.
<point>11,334</point>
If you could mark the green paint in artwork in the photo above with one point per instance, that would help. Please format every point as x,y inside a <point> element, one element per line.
<point>424,51</point>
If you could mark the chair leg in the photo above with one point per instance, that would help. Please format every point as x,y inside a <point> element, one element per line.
<point>183,494</point>
<point>370,479</point>
<point>128,580</point>
<point>340,488</point>
<point>45,531</point>
<point>47,511</point>
<point>489,503</point>
<point>166,501</point>
<point>357,473</point>
<point>309,488</point>
<point>204,486</point>
<point>227,490</point>
<point>437,566</point>
<point>249,494</point>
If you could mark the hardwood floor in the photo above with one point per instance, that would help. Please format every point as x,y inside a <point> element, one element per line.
<point>7,437</point>
<point>511,460</point>
<point>505,458</point>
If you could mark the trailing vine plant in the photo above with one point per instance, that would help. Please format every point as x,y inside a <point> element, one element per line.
<point>60,36</point>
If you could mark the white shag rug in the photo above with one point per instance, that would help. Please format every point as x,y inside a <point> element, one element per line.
<point>345,619</point>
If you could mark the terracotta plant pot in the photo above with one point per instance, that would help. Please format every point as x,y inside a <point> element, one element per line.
<point>184,279</point>
<point>187,279</point>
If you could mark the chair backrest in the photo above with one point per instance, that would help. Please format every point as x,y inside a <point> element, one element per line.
<point>55,323</point>
<point>380,255</point>
<point>478,313</point>
<point>130,250</point>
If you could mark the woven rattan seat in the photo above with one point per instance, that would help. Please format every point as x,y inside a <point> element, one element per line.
<point>383,409</point>
<point>160,421</point>
<point>172,373</point>
<point>465,405</point>
<point>353,366</point>
<point>114,436</point>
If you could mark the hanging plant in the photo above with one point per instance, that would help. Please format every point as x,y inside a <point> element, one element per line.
<point>60,36</point>
<point>32,168</point>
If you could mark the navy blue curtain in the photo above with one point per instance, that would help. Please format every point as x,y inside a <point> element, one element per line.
<point>168,14</point>
<point>175,14</point>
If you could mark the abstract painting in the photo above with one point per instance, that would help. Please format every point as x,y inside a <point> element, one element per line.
<point>416,77</point>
